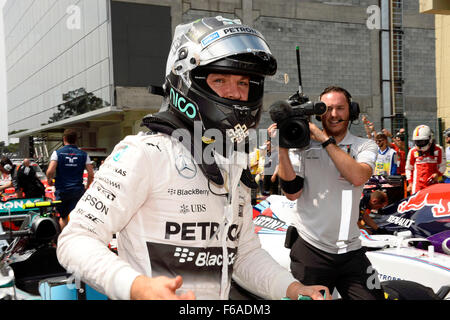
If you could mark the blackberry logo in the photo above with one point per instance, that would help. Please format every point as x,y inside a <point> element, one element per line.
<point>183,254</point>
<point>210,257</point>
<point>187,192</point>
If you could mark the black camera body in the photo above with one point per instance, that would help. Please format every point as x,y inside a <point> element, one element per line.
<point>292,117</point>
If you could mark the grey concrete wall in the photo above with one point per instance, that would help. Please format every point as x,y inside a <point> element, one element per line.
<point>336,48</point>
<point>420,67</point>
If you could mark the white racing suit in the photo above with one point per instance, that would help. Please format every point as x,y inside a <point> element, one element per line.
<point>168,222</point>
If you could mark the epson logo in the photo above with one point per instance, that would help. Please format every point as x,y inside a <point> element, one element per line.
<point>95,203</point>
<point>204,258</point>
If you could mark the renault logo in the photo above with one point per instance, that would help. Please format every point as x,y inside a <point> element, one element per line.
<point>185,167</point>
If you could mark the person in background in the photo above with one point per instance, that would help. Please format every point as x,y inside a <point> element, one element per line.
<point>369,202</point>
<point>386,163</point>
<point>9,172</point>
<point>447,155</point>
<point>327,178</point>
<point>67,166</point>
<point>271,182</point>
<point>368,127</point>
<point>399,146</point>
<point>426,162</point>
<point>28,181</point>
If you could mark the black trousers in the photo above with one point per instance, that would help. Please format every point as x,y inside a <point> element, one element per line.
<point>350,273</point>
<point>269,186</point>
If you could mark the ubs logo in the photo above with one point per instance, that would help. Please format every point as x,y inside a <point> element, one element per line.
<point>193,208</point>
<point>185,167</point>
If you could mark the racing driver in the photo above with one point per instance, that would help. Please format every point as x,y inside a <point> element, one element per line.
<point>425,163</point>
<point>189,227</point>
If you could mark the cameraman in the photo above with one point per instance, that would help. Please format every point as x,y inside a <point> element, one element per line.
<point>327,178</point>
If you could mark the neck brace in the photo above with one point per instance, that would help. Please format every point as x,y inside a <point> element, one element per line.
<point>166,122</point>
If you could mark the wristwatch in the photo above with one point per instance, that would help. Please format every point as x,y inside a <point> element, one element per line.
<point>330,140</point>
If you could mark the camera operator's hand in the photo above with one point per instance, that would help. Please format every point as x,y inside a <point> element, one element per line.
<point>272,130</point>
<point>357,173</point>
<point>317,134</point>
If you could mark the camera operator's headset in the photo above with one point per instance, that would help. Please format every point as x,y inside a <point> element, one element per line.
<point>354,108</point>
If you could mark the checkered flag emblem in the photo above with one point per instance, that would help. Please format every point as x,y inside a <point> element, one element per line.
<point>238,134</point>
<point>184,254</point>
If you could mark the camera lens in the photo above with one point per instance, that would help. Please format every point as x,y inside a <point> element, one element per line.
<point>295,133</point>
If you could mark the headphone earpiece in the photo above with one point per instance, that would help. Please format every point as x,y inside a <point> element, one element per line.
<point>354,108</point>
<point>354,111</point>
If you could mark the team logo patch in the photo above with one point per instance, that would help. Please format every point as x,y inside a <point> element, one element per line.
<point>195,264</point>
<point>119,154</point>
<point>438,203</point>
<point>238,133</point>
<point>185,167</point>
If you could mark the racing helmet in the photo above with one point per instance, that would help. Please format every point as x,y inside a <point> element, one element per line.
<point>6,164</point>
<point>422,137</point>
<point>447,132</point>
<point>217,45</point>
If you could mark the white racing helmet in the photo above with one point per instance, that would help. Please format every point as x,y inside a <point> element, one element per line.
<point>216,45</point>
<point>422,137</point>
<point>6,164</point>
<point>447,132</point>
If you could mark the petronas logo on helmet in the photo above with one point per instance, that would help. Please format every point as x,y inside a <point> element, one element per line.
<point>182,104</point>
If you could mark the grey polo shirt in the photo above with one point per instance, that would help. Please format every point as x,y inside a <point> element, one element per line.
<point>328,208</point>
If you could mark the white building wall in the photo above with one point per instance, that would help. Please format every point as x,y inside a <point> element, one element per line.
<point>51,50</point>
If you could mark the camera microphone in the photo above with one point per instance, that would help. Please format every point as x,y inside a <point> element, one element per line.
<point>278,110</point>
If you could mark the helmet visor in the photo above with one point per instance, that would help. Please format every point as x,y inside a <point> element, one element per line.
<point>233,44</point>
<point>421,143</point>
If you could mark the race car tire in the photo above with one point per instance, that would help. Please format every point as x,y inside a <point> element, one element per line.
<point>407,290</point>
